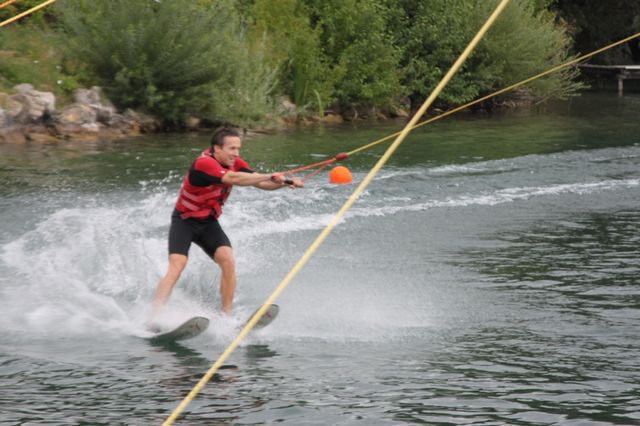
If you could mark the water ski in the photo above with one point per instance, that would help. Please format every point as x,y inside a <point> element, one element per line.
<point>270,315</point>
<point>196,325</point>
<point>187,330</point>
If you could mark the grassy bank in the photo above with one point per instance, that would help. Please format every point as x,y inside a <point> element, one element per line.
<point>31,54</point>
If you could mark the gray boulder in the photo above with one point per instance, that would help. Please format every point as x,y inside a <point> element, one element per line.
<point>36,105</point>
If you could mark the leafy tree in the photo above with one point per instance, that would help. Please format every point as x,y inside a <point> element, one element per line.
<point>294,47</point>
<point>434,33</point>
<point>355,38</point>
<point>524,41</point>
<point>247,97</point>
<point>171,58</point>
<point>596,24</point>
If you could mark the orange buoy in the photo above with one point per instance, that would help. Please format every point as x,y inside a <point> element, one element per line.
<point>340,175</point>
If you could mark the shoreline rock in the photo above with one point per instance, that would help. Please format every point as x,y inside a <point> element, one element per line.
<point>31,115</point>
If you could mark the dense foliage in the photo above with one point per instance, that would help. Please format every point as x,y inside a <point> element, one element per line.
<point>232,60</point>
<point>295,48</point>
<point>170,58</point>
<point>596,24</point>
<point>359,49</point>
<point>523,42</point>
<point>19,6</point>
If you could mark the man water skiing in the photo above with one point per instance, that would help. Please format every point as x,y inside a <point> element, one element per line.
<point>204,191</point>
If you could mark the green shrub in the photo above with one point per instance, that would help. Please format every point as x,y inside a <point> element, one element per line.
<point>248,96</point>
<point>523,42</point>
<point>335,50</point>
<point>170,58</point>
<point>294,47</point>
<point>359,48</point>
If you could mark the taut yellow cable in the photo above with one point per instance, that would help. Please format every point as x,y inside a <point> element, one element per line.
<point>7,3</point>
<point>28,12</point>
<point>336,219</point>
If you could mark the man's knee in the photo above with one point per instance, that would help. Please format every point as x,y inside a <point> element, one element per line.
<point>224,257</point>
<point>177,263</point>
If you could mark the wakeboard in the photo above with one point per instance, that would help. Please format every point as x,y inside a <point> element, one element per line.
<point>187,330</point>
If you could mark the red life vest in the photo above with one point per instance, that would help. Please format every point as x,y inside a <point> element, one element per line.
<point>203,201</point>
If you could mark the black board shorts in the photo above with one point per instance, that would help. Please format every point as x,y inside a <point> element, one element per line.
<point>207,234</point>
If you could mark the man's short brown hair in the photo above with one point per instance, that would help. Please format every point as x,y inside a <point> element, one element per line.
<point>220,134</point>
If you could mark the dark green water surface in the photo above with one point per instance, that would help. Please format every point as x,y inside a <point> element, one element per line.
<point>489,276</point>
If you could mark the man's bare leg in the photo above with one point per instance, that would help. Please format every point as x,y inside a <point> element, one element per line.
<point>225,259</point>
<point>177,263</point>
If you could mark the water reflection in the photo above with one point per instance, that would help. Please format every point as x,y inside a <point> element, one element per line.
<point>572,284</point>
<point>257,351</point>
<point>586,264</point>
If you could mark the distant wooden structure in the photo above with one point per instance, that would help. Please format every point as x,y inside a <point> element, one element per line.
<point>620,72</point>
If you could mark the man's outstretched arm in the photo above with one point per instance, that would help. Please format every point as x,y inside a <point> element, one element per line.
<point>278,181</point>
<point>260,180</point>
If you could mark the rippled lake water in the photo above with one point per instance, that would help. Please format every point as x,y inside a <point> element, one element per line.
<point>489,275</point>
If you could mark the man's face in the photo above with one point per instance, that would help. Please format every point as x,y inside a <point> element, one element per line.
<point>229,152</point>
